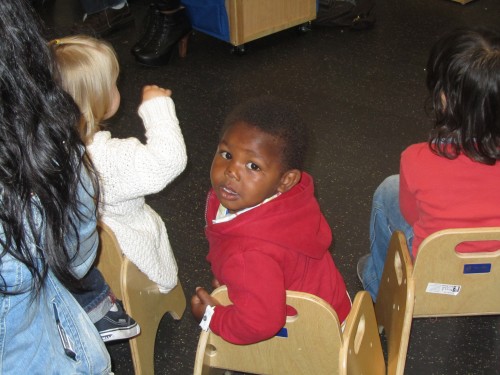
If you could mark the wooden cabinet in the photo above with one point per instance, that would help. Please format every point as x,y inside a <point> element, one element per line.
<point>253,19</point>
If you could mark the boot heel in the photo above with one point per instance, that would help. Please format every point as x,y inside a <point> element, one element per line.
<point>183,45</point>
<point>172,32</point>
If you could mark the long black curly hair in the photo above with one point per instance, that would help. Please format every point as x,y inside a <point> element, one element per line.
<point>41,154</point>
<point>463,79</point>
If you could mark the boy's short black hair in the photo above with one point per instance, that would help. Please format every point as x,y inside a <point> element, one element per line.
<point>278,118</point>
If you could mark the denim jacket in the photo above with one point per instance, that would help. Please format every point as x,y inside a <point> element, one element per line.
<point>51,333</point>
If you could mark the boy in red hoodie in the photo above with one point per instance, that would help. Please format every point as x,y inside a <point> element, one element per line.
<point>264,226</point>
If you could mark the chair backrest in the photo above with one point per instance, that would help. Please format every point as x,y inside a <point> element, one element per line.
<point>394,305</point>
<point>141,298</point>
<point>110,261</point>
<point>441,282</point>
<point>311,346</point>
<point>448,283</point>
<point>361,351</point>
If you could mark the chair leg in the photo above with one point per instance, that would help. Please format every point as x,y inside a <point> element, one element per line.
<point>176,302</point>
<point>142,349</point>
<point>147,306</point>
<point>144,308</point>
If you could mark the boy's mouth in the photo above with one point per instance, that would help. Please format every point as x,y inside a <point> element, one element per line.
<point>227,193</point>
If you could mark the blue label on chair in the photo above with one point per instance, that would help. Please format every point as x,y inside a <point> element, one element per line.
<point>477,268</point>
<point>282,333</point>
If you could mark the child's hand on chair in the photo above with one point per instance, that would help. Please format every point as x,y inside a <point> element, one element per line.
<point>200,301</point>
<point>215,283</point>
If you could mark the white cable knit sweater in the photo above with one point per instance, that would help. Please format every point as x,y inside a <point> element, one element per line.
<point>128,170</point>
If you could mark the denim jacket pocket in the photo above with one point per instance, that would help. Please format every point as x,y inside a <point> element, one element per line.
<point>77,336</point>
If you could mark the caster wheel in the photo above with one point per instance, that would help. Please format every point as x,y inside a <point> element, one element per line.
<point>238,50</point>
<point>304,28</point>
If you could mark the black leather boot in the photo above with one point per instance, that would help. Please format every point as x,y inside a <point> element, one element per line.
<point>104,22</point>
<point>172,31</point>
<point>153,22</point>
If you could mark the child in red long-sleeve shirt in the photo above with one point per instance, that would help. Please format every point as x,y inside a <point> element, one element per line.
<point>264,226</point>
<point>452,180</point>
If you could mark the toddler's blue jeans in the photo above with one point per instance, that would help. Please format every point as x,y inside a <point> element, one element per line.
<point>385,218</point>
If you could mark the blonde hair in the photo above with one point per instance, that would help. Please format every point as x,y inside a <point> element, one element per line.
<point>88,70</point>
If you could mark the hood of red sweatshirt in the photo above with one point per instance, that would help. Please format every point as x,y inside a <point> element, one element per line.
<point>293,221</point>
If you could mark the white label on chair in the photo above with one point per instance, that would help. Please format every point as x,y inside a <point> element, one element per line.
<point>448,289</point>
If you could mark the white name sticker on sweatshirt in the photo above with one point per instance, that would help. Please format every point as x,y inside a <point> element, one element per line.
<point>451,290</point>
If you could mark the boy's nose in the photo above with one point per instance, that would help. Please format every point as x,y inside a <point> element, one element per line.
<point>232,172</point>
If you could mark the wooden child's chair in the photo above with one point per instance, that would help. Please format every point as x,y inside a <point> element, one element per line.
<point>361,352</point>
<point>441,283</point>
<point>141,298</point>
<point>312,346</point>
<point>394,306</point>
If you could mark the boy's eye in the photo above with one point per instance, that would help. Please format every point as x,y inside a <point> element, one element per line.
<point>226,155</point>
<point>253,166</point>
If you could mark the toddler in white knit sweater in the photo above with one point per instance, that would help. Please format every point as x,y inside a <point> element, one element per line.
<point>128,169</point>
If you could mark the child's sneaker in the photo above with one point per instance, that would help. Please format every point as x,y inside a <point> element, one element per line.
<point>117,325</point>
<point>361,266</point>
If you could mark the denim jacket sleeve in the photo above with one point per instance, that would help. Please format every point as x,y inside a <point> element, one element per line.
<point>86,222</point>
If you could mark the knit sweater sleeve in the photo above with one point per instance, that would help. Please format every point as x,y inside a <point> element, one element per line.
<point>165,151</point>
<point>132,169</point>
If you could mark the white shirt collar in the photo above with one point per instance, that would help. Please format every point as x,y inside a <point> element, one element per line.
<point>223,214</point>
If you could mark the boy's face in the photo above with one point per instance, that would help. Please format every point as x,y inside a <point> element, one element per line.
<point>247,167</point>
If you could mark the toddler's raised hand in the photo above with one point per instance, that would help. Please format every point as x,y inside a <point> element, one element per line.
<point>153,91</point>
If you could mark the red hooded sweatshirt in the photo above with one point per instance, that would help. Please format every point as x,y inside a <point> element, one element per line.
<point>278,246</point>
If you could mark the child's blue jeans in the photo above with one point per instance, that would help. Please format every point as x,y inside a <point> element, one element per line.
<point>385,218</point>
<point>96,299</point>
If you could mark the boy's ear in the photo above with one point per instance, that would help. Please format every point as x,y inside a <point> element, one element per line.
<point>289,180</point>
